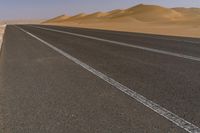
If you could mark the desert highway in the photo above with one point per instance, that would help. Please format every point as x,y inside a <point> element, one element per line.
<point>75,80</point>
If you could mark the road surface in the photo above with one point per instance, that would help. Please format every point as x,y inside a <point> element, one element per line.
<point>62,79</point>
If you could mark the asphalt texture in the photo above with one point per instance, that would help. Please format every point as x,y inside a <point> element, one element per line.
<point>42,91</point>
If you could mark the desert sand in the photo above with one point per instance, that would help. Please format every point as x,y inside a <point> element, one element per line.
<point>141,18</point>
<point>23,21</point>
<point>2,28</point>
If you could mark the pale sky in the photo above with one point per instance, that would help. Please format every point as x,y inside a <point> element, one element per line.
<point>32,9</point>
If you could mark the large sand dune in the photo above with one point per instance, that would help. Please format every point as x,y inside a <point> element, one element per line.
<point>140,18</point>
<point>149,13</point>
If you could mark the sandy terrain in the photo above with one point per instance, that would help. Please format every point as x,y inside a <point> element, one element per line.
<point>2,28</point>
<point>25,21</point>
<point>140,18</point>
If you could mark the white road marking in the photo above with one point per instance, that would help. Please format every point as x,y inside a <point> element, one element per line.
<point>126,44</point>
<point>170,39</point>
<point>154,36</point>
<point>191,128</point>
<point>150,35</point>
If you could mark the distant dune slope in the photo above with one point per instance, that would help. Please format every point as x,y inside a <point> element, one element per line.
<point>57,19</point>
<point>141,12</point>
<point>152,13</point>
<point>139,18</point>
<point>77,17</point>
<point>191,12</point>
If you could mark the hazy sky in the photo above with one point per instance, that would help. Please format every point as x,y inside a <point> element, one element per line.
<point>28,9</point>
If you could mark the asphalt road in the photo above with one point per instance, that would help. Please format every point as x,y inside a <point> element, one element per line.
<point>43,91</point>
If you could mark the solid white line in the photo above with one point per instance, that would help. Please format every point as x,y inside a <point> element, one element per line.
<point>176,40</point>
<point>154,36</point>
<point>191,128</point>
<point>125,44</point>
<point>149,35</point>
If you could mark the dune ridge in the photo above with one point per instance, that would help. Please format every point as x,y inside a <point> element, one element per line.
<point>140,18</point>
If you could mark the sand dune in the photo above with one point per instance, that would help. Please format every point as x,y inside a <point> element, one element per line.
<point>140,18</point>
<point>115,13</point>
<point>58,19</point>
<point>96,15</point>
<point>190,12</point>
<point>151,13</point>
<point>77,17</point>
<point>88,18</point>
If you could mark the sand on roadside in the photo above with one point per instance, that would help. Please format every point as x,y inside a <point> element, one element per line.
<point>2,29</point>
